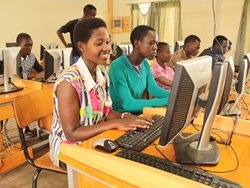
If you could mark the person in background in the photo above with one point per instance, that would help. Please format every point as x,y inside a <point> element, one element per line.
<point>130,75</point>
<point>162,73</point>
<point>28,63</point>
<point>218,49</point>
<point>82,104</point>
<point>88,11</point>
<point>190,49</point>
<point>28,59</point>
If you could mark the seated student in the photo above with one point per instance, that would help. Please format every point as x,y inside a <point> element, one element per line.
<point>162,73</point>
<point>130,75</point>
<point>190,49</point>
<point>218,49</point>
<point>82,104</point>
<point>28,60</point>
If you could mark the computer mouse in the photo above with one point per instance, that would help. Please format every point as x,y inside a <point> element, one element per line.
<point>105,144</point>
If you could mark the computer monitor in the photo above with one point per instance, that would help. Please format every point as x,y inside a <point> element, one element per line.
<point>46,46</point>
<point>188,95</point>
<point>126,48</point>
<point>1,62</point>
<point>178,45</point>
<point>228,83</point>
<point>247,57</point>
<point>56,60</point>
<point>11,44</point>
<point>11,58</point>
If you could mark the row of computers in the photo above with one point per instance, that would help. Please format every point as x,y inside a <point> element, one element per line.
<point>196,86</point>
<point>55,60</point>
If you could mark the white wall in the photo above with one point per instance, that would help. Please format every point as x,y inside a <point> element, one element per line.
<point>41,18</point>
<point>197,18</point>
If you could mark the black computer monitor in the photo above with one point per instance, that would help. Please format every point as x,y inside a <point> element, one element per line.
<point>188,95</point>
<point>11,44</point>
<point>56,60</point>
<point>247,57</point>
<point>11,59</point>
<point>46,46</point>
<point>126,48</point>
<point>228,83</point>
<point>178,45</point>
<point>242,76</point>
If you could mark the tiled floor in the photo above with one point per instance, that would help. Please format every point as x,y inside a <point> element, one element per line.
<point>21,177</point>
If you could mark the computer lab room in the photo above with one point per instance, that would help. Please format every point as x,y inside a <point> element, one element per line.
<point>124,93</point>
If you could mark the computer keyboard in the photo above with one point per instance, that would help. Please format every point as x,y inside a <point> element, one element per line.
<point>178,169</point>
<point>141,138</point>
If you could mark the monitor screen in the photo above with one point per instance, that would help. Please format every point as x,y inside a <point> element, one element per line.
<point>188,95</point>
<point>11,44</point>
<point>126,48</point>
<point>46,46</point>
<point>228,83</point>
<point>56,60</point>
<point>1,62</point>
<point>242,76</point>
<point>11,59</point>
<point>247,57</point>
<point>178,45</point>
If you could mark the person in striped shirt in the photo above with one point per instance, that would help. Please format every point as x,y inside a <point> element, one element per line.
<point>82,104</point>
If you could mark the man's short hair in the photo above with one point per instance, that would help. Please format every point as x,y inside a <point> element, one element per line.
<point>219,39</point>
<point>160,46</point>
<point>191,38</point>
<point>84,29</point>
<point>88,8</point>
<point>139,33</point>
<point>22,36</point>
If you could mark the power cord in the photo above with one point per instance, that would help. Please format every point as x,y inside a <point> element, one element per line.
<point>214,16</point>
<point>165,157</point>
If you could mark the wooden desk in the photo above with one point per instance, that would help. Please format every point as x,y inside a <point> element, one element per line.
<point>14,154</point>
<point>89,168</point>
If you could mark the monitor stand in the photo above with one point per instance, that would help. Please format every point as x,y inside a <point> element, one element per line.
<point>187,154</point>
<point>9,89</point>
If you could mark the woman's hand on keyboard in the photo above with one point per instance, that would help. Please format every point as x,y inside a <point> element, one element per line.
<point>130,123</point>
<point>142,117</point>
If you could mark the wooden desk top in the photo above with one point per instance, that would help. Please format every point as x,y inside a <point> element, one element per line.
<point>227,162</point>
<point>28,87</point>
<point>9,97</point>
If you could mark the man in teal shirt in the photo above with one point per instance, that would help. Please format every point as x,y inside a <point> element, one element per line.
<point>130,75</point>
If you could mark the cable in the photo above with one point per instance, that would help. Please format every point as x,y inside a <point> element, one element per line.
<point>247,108</point>
<point>214,17</point>
<point>213,171</point>
<point>231,170</point>
<point>160,151</point>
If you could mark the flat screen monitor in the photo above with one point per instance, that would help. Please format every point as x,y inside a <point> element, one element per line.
<point>188,96</point>
<point>11,44</point>
<point>126,48</point>
<point>242,76</point>
<point>1,63</point>
<point>11,59</point>
<point>55,60</point>
<point>46,46</point>
<point>247,57</point>
<point>228,83</point>
<point>178,45</point>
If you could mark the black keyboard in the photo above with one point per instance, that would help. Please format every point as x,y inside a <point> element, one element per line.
<point>178,169</point>
<point>141,138</point>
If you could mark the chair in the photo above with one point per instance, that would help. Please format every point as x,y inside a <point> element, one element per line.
<point>36,106</point>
